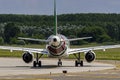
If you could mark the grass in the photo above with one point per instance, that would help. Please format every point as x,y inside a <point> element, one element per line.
<point>109,54</point>
<point>7,53</point>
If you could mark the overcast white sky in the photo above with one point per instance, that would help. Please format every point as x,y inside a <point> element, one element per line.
<point>45,7</point>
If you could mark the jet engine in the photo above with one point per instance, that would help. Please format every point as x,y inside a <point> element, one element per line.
<point>90,56</point>
<point>27,57</point>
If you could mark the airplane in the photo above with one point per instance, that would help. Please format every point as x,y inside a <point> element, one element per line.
<point>58,46</point>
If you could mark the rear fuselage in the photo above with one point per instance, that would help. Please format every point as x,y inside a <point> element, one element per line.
<point>57,46</point>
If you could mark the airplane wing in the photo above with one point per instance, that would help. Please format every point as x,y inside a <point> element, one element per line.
<point>78,50</point>
<point>33,50</point>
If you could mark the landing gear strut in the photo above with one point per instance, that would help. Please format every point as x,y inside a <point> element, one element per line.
<point>78,61</point>
<point>59,62</point>
<point>37,62</point>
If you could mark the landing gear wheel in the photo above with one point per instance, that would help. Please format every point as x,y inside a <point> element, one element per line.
<point>81,63</point>
<point>34,64</point>
<point>76,64</point>
<point>39,64</point>
<point>59,63</point>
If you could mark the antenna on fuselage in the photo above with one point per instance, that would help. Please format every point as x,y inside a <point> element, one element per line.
<point>55,18</point>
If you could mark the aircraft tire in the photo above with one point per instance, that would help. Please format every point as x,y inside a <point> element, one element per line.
<point>81,63</point>
<point>39,64</point>
<point>59,63</point>
<point>76,63</point>
<point>34,64</point>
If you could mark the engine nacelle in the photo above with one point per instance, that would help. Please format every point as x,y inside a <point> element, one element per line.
<point>90,56</point>
<point>27,57</point>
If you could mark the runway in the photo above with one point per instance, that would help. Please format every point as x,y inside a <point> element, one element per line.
<point>15,66</point>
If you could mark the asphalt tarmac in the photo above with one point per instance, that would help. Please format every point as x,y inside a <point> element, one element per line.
<point>15,68</point>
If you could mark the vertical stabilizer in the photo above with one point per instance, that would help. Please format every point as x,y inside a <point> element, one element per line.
<point>55,18</point>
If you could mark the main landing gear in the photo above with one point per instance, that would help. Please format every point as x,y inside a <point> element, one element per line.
<point>37,63</point>
<point>78,61</point>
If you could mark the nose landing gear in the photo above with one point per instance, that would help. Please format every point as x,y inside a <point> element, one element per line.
<point>59,62</point>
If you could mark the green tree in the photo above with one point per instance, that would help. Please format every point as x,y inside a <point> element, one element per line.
<point>103,38</point>
<point>97,33</point>
<point>1,41</point>
<point>10,31</point>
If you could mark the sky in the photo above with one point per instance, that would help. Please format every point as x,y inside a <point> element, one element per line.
<point>45,7</point>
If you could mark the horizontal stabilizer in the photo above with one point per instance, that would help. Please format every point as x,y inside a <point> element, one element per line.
<point>75,39</point>
<point>31,39</point>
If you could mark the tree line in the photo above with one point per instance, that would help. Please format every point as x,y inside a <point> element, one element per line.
<point>102,27</point>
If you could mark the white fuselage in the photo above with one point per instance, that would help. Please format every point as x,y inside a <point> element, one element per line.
<point>57,46</point>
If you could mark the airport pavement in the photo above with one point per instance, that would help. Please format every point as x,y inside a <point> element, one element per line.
<point>16,68</point>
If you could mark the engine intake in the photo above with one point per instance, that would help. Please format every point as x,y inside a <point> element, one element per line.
<point>27,57</point>
<point>90,56</point>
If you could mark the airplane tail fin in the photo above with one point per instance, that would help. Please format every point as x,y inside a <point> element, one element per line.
<point>55,18</point>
